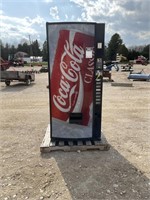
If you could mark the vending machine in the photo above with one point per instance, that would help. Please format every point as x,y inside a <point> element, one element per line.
<point>75,51</point>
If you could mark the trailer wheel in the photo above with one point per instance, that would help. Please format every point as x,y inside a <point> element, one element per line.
<point>28,81</point>
<point>7,82</point>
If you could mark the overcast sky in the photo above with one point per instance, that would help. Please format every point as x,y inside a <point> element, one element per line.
<point>21,18</point>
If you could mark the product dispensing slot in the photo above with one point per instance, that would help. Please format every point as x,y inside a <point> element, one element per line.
<point>75,118</point>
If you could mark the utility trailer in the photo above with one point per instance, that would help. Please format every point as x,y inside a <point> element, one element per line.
<point>9,76</point>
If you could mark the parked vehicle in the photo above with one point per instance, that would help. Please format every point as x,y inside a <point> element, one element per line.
<point>9,76</point>
<point>18,63</point>
<point>141,60</point>
<point>44,69</point>
<point>4,64</point>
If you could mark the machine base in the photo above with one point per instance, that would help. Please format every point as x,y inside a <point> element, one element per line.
<point>48,146</point>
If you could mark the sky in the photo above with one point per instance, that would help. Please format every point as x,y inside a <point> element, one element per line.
<point>24,19</point>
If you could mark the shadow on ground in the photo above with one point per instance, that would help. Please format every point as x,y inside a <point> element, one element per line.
<point>100,175</point>
<point>15,87</point>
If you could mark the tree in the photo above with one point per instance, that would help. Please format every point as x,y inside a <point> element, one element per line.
<point>26,48</point>
<point>1,49</point>
<point>4,51</point>
<point>19,47</point>
<point>12,51</point>
<point>23,47</point>
<point>45,52</point>
<point>113,46</point>
<point>123,50</point>
<point>146,51</point>
<point>36,48</point>
<point>132,55</point>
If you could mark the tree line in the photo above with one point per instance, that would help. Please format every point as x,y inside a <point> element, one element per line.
<point>32,49</point>
<point>114,46</point>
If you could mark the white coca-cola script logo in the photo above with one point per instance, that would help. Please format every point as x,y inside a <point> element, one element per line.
<point>70,74</point>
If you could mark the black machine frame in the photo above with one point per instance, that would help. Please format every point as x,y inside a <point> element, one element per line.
<point>98,80</point>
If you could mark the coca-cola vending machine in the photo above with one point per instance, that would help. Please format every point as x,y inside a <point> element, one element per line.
<point>75,63</point>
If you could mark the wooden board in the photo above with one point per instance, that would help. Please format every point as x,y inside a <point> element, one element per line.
<point>122,84</point>
<point>48,146</point>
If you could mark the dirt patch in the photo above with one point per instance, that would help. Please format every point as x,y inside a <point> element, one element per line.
<point>120,173</point>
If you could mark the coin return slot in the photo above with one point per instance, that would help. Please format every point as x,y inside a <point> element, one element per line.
<point>75,118</point>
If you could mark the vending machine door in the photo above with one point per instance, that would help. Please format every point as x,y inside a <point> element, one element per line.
<point>72,61</point>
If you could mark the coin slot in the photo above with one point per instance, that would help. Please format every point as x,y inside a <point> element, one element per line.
<point>75,118</point>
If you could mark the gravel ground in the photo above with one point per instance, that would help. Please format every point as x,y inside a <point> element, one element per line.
<point>121,173</point>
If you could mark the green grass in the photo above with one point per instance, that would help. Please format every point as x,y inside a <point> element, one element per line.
<point>36,64</point>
